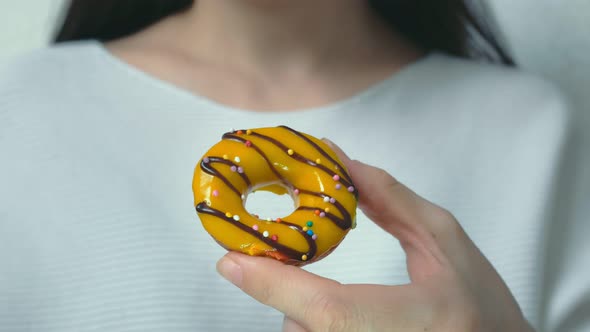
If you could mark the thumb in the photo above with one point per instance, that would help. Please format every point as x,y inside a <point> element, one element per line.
<point>293,291</point>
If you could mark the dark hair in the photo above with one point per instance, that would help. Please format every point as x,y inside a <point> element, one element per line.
<point>450,26</point>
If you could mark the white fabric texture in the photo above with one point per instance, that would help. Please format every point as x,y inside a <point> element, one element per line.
<point>98,230</point>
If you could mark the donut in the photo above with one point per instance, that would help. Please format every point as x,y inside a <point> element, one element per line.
<point>283,161</point>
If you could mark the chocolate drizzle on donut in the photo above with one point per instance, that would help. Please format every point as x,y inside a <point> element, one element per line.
<point>232,137</point>
<point>320,150</point>
<point>288,251</point>
<point>208,168</point>
<point>345,181</point>
<point>343,223</point>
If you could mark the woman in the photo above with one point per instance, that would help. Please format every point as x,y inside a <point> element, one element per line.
<point>101,137</point>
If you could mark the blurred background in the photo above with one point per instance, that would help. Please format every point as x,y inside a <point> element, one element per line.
<point>548,37</point>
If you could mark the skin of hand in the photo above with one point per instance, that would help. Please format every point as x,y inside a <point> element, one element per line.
<point>453,286</point>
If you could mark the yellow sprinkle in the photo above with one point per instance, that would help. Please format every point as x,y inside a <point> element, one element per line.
<point>327,210</point>
<point>304,257</point>
<point>225,157</point>
<point>248,132</point>
<point>227,214</point>
<point>290,152</point>
<point>305,229</point>
<point>318,161</point>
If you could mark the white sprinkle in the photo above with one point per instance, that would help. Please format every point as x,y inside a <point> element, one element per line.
<point>326,199</point>
<point>268,219</point>
<point>265,233</point>
<point>237,159</point>
<point>243,197</point>
<point>236,217</point>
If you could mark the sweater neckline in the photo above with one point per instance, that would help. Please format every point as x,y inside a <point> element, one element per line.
<point>378,88</point>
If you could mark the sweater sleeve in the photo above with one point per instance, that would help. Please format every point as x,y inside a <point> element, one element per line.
<point>567,273</point>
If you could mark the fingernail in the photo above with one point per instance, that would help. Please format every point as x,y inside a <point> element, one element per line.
<point>327,141</point>
<point>335,147</point>
<point>230,270</point>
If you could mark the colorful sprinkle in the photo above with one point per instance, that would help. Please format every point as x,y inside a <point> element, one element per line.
<point>274,237</point>
<point>350,189</point>
<point>336,177</point>
<point>206,160</point>
<point>248,144</point>
<point>240,170</point>
<point>236,217</point>
<point>215,193</point>
<point>290,152</point>
<point>314,237</point>
<point>296,191</point>
<point>240,132</point>
<point>227,214</point>
<point>338,186</point>
<point>332,200</point>
<point>225,157</point>
<point>304,257</point>
<point>326,199</point>
<point>309,223</point>
<point>255,227</point>
<point>327,210</point>
<point>248,132</point>
<point>265,234</point>
<point>316,212</point>
<point>237,159</point>
<point>233,168</point>
<point>279,220</point>
<point>243,197</point>
<point>318,161</point>
<point>322,214</point>
<point>305,229</point>
<point>310,232</point>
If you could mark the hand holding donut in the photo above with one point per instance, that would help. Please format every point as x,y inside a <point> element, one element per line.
<point>453,286</point>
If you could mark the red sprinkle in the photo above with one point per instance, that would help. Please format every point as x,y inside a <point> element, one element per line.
<point>248,143</point>
<point>279,220</point>
<point>316,212</point>
<point>240,132</point>
<point>274,237</point>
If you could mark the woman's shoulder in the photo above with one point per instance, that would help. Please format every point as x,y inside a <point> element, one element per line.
<point>454,74</point>
<point>45,82</point>
<point>47,64</point>
<point>488,91</point>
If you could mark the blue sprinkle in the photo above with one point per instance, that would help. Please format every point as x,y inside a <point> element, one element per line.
<point>310,232</point>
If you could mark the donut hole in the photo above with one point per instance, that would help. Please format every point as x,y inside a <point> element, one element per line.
<point>266,204</point>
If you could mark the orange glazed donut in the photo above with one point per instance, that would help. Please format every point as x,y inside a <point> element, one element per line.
<point>280,160</point>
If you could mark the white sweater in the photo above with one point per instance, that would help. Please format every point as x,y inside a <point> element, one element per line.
<point>98,231</point>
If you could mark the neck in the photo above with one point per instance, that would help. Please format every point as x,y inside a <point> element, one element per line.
<point>287,36</point>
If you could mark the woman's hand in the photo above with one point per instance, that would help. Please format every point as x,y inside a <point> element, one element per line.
<point>453,286</point>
